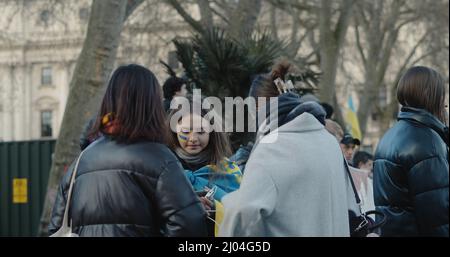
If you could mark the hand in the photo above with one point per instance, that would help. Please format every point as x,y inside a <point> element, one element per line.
<point>207,204</point>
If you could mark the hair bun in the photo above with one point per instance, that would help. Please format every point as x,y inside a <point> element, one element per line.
<point>280,69</point>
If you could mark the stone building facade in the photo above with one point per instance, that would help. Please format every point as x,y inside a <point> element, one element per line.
<point>39,47</point>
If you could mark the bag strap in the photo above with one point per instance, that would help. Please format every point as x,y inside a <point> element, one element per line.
<point>358,200</point>
<point>69,195</point>
<point>379,223</point>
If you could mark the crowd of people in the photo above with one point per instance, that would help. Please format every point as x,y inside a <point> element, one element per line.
<point>302,175</point>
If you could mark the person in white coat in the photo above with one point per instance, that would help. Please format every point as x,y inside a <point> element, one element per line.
<point>295,183</point>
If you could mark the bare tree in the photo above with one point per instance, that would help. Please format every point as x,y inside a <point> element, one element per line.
<point>378,25</point>
<point>303,25</point>
<point>324,29</point>
<point>332,39</point>
<point>238,17</point>
<point>94,65</point>
<point>244,17</point>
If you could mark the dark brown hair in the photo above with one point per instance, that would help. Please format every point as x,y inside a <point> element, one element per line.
<point>424,88</point>
<point>134,98</point>
<point>263,86</point>
<point>171,86</point>
<point>219,142</point>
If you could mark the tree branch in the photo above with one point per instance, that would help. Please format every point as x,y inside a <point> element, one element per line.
<point>302,38</point>
<point>407,21</point>
<point>244,17</point>
<point>222,4</point>
<point>223,17</point>
<point>284,5</point>
<point>313,52</point>
<point>359,45</point>
<point>187,18</point>
<point>344,18</point>
<point>407,63</point>
<point>362,15</point>
<point>294,44</point>
<point>131,6</point>
<point>420,58</point>
<point>205,13</point>
<point>273,22</point>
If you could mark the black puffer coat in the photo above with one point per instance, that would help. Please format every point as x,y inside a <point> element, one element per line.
<point>411,176</point>
<point>129,190</point>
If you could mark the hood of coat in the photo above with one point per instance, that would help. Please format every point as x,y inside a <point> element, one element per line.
<point>305,122</point>
<point>289,107</point>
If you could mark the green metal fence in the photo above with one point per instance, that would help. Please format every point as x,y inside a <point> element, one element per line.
<point>24,170</point>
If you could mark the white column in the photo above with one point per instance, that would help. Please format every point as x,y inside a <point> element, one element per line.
<point>8,117</point>
<point>34,121</point>
<point>3,97</point>
<point>27,100</point>
<point>19,102</point>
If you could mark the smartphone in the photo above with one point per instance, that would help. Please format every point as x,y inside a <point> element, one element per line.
<point>211,193</point>
<point>201,193</point>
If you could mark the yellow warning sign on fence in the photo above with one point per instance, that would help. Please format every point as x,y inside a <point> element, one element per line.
<point>20,190</point>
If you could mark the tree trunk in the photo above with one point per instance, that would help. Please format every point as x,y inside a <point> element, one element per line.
<point>328,64</point>
<point>331,41</point>
<point>377,61</point>
<point>244,18</point>
<point>381,37</point>
<point>368,97</point>
<point>206,14</point>
<point>86,88</point>
<point>338,115</point>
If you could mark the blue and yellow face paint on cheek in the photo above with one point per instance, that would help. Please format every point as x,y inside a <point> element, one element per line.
<point>182,137</point>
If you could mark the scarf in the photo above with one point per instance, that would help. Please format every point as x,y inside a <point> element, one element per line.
<point>226,176</point>
<point>109,124</point>
<point>200,159</point>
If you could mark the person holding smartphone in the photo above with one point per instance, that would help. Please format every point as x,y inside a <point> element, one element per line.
<point>203,152</point>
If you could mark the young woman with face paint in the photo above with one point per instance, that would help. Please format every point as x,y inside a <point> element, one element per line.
<point>203,152</point>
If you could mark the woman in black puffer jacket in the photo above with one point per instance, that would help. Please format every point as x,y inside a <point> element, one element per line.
<point>128,182</point>
<point>411,173</point>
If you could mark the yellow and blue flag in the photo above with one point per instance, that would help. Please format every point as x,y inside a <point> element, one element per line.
<point>352,119</point>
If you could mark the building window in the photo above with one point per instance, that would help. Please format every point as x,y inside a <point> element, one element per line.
<point>173,60</point>
<point>84,14</point>
<point>375,115</point>
<point>46,124</point>
<point>46,76</point>
<point>44,17</point>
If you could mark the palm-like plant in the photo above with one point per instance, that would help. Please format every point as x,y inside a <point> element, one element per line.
<point>223,66</point>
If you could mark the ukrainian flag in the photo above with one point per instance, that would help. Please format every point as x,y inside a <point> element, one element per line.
<point>219,217</point>
<point>352,119</point>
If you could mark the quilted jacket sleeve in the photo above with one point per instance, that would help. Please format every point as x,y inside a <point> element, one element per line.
<point>181,211</point>
<point>428,181</point>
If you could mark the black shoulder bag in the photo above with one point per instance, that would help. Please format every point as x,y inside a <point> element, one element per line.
<point>362,225</point>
